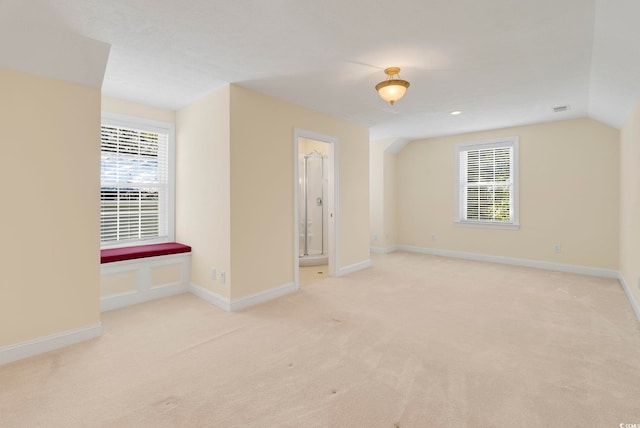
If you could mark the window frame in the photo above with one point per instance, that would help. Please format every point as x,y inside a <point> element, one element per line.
<point>459,219</point>
<point>143,124</point>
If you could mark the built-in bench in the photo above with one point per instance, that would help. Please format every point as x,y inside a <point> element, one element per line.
<point>111,255</point>
<point>132,275</point>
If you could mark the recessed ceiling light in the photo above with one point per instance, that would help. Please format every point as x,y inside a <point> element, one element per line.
<point>455,112</point>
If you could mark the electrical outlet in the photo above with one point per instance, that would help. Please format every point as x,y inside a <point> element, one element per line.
<point>222,277</point>
<point>213,273</point>
<point>557,248</point>
<point>433,237</point>
<point>375,237</point>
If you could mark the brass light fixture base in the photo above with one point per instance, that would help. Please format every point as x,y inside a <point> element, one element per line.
<point>391,71</point>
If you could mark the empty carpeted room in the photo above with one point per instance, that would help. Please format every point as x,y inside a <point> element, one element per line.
<point>420,213</point>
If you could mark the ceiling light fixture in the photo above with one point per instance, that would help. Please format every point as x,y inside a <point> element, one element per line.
<point>394,88</point>
<point>455,112</point>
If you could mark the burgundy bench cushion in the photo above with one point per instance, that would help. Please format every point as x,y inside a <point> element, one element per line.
<point>142,251</point>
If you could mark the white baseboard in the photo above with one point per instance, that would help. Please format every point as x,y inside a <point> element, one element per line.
<point>261,297</point>
<point>116,301</point>
<point>243,302</point>
<point>354,267</point>
<point>632,300</point>
<point>585,270</point>
<point>383,250</point>
<point>41,345</point>
<point>210,297</point>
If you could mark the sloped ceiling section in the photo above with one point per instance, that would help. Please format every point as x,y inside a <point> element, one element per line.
<point>615,69</point>
<point>501,62</point>
<point>397,145</point>
<point>45,47</point>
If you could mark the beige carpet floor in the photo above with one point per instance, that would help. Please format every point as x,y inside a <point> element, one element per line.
<point>414,341</point>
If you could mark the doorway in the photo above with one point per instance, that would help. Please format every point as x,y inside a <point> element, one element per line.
<point>315,208</point>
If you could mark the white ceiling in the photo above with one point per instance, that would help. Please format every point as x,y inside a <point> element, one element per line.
<point>502,62</point>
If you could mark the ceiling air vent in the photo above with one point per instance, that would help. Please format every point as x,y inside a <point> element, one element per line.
<point>559,109</point>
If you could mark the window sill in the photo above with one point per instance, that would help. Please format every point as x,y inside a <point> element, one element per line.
<point>142,251</point>
<point>489,225</point>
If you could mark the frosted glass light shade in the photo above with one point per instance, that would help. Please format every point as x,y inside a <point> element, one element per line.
<point>392,89</point>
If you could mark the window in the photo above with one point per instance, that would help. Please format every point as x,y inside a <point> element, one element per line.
<point>136,182</point>
<point>487,182</point>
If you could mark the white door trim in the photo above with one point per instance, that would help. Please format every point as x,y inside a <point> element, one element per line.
<point>332,206</point>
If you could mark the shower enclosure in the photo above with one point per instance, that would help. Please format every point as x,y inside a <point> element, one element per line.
<point>312,191</point>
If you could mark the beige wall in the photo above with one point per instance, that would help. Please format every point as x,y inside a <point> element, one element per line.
<point>262,168</point>
<point>568,195</point>
<point>630,203</point>
<point>50,214</point>
<point>130,108</point>
<point>382,193</point>
<point>203,188</point>
<point>390,202</point>
<point>376,191</point>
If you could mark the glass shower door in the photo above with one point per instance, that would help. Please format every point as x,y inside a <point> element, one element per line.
<point>311,204</point>
<point>314,205</point>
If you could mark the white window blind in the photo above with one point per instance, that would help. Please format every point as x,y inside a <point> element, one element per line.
<point>134,185</point>
<point>487,182</point>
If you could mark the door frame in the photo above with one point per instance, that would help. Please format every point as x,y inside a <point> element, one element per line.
<point>332,205</point>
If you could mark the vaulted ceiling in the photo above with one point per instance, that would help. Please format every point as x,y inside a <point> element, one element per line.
<point>500,62</point>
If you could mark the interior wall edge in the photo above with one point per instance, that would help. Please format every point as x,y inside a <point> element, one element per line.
<point>262,296</point>
<point>233,305</point>
<point>52,342</point>
<point>538,264</point>
<point>383,250</point>
<point>346,270</point>
<point>211,297</point>
<point>583,270</point>
<point>632,301</point>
